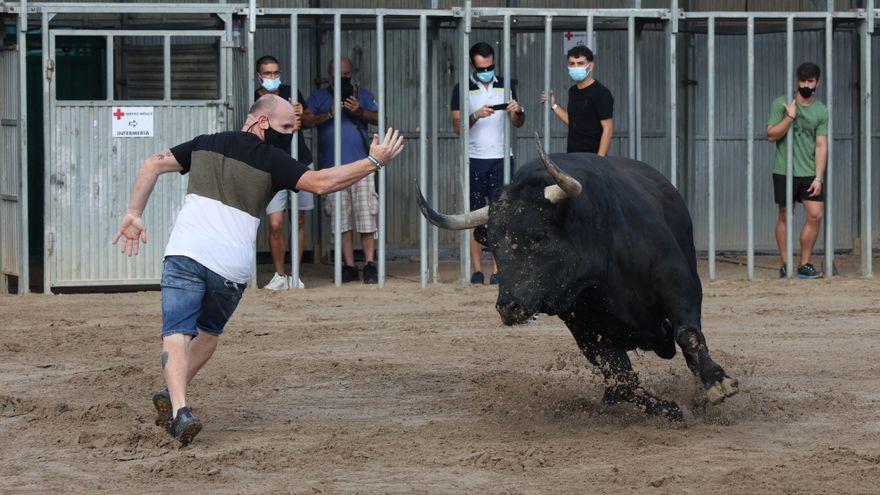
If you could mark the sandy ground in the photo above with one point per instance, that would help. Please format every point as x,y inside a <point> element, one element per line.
<point>404,390</point>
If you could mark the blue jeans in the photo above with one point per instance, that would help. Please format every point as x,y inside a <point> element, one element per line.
<point>195,299</point>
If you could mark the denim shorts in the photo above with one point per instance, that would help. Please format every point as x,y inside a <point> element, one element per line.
<point>195,299</point>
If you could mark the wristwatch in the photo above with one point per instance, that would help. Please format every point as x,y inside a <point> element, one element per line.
<point>819,180</point>
<point>554,107</point>
<point>376,162</point>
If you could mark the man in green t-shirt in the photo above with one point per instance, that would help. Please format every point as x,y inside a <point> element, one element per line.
<point>809,117</point>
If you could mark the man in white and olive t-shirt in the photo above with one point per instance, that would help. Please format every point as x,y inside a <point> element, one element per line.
<point>209,256</point>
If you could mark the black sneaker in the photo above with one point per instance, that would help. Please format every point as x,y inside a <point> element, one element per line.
<point>807,270</point>
<point>350,274</point>
<point>493,280</point>
<point>162,403</point>
<point>185,426</point>
<point>371,275</point>
<point>477,278</point>
<point>783,273</point>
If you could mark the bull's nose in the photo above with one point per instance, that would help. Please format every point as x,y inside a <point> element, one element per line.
<point>511,312</point>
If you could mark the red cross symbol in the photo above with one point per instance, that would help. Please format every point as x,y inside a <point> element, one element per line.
<point>118,114</point>
<point>569,36</point>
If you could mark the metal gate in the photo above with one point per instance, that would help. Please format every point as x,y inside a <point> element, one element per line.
<point>89,173</point>
<point>13,157</point>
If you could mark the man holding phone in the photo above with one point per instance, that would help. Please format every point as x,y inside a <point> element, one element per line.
<point>486,137</point>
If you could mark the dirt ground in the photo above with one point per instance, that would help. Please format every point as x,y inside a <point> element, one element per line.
<point>404,390</point>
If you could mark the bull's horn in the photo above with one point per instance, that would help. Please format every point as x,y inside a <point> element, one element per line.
<point>566,185</point>
<point>452,222</point>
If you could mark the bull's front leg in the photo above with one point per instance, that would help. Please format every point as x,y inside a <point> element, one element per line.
<point>715,381</point>
<point>621,382</point>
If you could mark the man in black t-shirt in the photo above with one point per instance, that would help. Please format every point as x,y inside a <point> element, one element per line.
<point>269,76</point>
<point>590,106</point>
<point>210,253</point>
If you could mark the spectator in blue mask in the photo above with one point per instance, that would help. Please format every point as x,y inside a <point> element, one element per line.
<point>485,138</point>
<point>269,79</point>
<point>590,106</point>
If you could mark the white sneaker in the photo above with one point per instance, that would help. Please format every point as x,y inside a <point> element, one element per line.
<point>278,282</point>
<point>299,284</point>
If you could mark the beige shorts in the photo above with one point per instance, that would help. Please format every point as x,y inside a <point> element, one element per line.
<point>359,203</point>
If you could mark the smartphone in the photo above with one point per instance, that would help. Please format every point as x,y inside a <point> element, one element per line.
<point>500,106</point>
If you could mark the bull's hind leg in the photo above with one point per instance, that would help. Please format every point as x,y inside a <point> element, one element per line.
<point>718,385</point>
<point>621,382</point>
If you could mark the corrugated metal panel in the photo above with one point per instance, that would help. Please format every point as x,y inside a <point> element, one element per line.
<point>10,162</point>
<point>730,123</point>
<point>90,180</point>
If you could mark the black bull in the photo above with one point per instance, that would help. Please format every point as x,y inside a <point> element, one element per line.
<point>606,244</point>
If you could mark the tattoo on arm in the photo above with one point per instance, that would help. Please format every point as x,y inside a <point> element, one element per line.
<point>163,155</point>
<point>164,359</point>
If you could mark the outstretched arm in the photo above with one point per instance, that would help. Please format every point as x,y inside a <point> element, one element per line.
<point>334,179</point>
<point>133,230</point>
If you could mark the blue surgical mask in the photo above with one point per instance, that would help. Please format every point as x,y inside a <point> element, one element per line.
<point>271,85</point>
<point>578,74</point>
<point>487,76</point>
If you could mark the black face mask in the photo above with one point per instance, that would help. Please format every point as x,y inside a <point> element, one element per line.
<point>278,139</point>
<point>806,92</point>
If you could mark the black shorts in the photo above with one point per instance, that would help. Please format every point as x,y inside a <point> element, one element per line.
<point>799,189</point>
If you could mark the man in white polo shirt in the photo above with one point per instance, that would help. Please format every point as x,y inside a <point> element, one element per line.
<point>486,137</point>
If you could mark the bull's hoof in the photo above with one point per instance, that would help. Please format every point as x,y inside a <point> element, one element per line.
<point>666,409</point>
<point>727,387</point>
<point>612,397</point>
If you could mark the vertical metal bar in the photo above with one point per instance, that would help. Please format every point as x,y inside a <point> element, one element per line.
<point>867,189</point>
<point>750,150</point>
<point>423,145</point>
<point>465,244</point>
<point>789,171</point>
<point>252,26</point>
<point>829,176</point>
<point>672,81</point>
<point>24,268</point>
<point>110,69</point>
<point>224,65</point>
<point>711,144</point>
<point>337,147</point>
<point>548,54</point>
<point>631,84</point>
<point>435,154</point>
<point>505,50</point>
<point>48,116</point>
<point>591,43</point>
<point>166,67</point>
<point>293,200</point>
<point>380,74</point>
<point>637,77</point>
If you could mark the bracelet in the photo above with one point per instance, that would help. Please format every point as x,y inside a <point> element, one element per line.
<point>789,116</point>
<point>375,162</point>
<point>554,107</point>
<point>819,180</point>
<point>475,116</point>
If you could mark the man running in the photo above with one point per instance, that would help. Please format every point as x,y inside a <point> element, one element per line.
<point>209,256</point>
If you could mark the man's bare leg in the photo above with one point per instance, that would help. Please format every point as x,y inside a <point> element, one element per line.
<point>476,254</point>
<point>368,241</point>
<point>198,352</point>
<point>810,232</point>
<point>348,248</point>
<point>176,368</point>
<point>780,234</point>
<point>276,240</point>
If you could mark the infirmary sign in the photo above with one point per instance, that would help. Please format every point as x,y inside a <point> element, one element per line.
<point>132,121</point>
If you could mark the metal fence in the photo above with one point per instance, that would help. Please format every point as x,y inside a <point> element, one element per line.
<point>662,64</point>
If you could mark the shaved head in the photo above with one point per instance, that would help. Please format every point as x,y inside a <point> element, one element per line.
<point>272,106</point>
